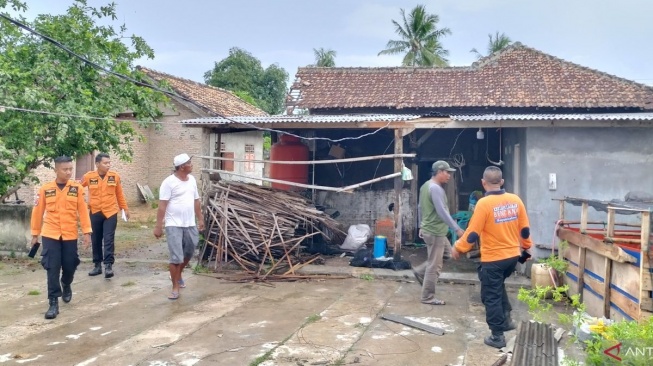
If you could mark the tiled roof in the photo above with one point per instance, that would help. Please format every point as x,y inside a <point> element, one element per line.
<point>304,119</point>
<point>556,117</point>
<point>517,76</point>
<point>213,100</point>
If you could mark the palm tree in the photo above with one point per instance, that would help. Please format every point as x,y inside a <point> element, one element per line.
<point>324,57</point>
<point>495,44</point>
<point>420,39</point>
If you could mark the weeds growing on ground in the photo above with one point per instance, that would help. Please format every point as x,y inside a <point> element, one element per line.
<point>34,292</point>
<point>128,283</point>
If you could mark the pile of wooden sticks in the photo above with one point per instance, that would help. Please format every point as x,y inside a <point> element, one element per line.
<point>261,228</point>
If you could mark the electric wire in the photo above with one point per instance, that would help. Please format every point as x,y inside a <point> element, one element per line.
<point>171,93</point>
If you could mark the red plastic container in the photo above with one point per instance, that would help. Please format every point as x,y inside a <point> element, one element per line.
<point>289,148</point>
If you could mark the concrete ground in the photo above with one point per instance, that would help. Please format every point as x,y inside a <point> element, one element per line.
<point>128,320</point>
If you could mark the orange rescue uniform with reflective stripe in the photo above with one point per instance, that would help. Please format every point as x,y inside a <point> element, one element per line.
<point>56,211</point>
<point>105,195</point>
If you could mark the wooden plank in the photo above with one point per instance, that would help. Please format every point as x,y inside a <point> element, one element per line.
<point>647,302</point>
<point>399,149</point>
<point>607,276</point>
<point>626,277</point>
<point>414,198</point>
<point>594,284</point>
<point>571,253</point>
<point>594,263</point>
<point>583,216</point>
<point>581,270</point>
<point>644,274</point>
<point>561,211</point>
<point>610,225</point>
<point>611,251</point>
<point>573,270</point>
<point>411,323</point>
<point>625,304</point>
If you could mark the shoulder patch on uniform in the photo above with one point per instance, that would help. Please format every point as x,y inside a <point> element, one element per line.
<point>73,191</point>
<point>50,192</point>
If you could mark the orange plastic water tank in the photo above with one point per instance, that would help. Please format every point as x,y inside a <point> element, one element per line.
<point>289,148</point>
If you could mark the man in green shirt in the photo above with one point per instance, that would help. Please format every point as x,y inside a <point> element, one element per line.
<point>434,222</point>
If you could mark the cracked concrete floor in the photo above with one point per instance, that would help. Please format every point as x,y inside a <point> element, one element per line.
<point>128,320</point>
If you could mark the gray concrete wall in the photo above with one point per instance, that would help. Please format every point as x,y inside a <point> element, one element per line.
<point>597,163</point>
<point>365,207</point>
<point>14,227</point>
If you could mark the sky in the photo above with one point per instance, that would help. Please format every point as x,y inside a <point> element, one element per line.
<point>189,36</point>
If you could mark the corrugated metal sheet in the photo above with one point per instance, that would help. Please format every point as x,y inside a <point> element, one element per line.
<point>303,119</point>
<point>549,117</point>
<point>535,345</point>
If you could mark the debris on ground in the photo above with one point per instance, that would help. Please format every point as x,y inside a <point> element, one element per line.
<point>261,228</point>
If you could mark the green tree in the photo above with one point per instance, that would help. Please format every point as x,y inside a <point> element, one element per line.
<point>420,39</point>
<point>241,72</point>
<point>37,75</point>
<point>495,44</point>
<point>324,57</point>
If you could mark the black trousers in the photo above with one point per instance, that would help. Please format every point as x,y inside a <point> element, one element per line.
<point>104,229</point>
<point>60,260</point>
<point>493,290</point>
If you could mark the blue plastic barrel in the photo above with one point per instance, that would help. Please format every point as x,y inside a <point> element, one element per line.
<point>380,242</point>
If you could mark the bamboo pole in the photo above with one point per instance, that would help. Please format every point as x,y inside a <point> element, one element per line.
<point>389,176</point>
<point>311,162</point>
<point>398,163</point>
<point>644,251</point>
<point>294,184</point>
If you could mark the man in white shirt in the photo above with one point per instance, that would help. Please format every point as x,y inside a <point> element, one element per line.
<point>179,206</point>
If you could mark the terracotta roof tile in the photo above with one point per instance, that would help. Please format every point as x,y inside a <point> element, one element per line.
<point>518,76</point>
<point>214,100</point>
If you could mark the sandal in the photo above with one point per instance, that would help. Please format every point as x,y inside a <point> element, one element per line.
<point>433,302</point>
<point>174,295</point>
<point>182,284</point>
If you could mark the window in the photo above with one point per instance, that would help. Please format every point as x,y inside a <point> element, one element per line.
<point>249,155</point>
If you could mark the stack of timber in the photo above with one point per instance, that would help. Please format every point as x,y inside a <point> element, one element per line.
<point>261,229</point>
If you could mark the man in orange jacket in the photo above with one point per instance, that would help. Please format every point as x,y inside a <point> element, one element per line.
<point>106,198</point>
<point>501,223</point>
<point>62,202</point>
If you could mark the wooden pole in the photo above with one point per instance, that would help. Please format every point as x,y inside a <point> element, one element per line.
<point>582,251</point>
<point>611,218</point>
<point>332,161</point>
<point>349,188</point>
<point>414,198</point>
<point>399,147</point>
<point>644,274</point>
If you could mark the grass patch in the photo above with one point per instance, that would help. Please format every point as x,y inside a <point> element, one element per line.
<point>34,292</point>
<point>128,283</point>
<point>12,254</point>
<point>367,277</point>
<point>198,268</point>
<point>313,318</point>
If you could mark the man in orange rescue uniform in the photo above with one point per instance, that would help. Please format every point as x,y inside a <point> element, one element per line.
<point>106,199</point>
<point>62,202</point>
<point>501,223</point>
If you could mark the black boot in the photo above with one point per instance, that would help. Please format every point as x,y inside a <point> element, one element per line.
<point>508,324</point>
<point>96,270</point>
<point>108,271</point>
<point>53,310</point>
<point>496,340</point>
<point>67,293</point>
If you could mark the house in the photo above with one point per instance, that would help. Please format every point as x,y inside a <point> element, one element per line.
<point>165,138</point>
<point>554,127</point>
